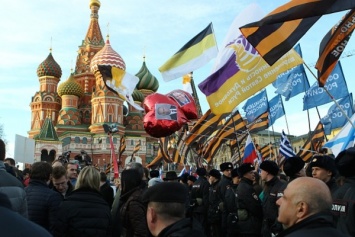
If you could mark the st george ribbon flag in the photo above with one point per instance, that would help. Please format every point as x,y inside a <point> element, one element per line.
<point>193,55</point>
<point>333,45</point>
<point>336,85</point>
<point>293,81</point>
<point>255,106</point>
<point>280,30</point>
<point>276,109</point>
<point>344,139</point>
<point>335,117</point>
<point>249,153</point>
<point>285,146</point>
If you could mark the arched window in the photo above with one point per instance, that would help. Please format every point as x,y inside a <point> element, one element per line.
<point>85,140</point>
<point>77,139</point>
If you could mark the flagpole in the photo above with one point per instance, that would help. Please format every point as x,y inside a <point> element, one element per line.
<point>288,130</point>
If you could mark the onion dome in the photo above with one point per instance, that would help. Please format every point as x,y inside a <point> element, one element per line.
<point>49,67</point>
<point>137,96</point>
<point>95,3</point>
<point>107,56</point>
<point>70,87</point>
<point>146,79</point>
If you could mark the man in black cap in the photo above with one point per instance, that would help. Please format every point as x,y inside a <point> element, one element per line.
<point>230,205</point>
<point>166,211</point>
<point>344,198</point>
<point>171,176</point>
<point>250,211</point>
<point>323,168</point>
<point>273,190</point>
<point>199,198</point>
<point>214,212</point>
<point>294,168</point>
<point>226,181</point>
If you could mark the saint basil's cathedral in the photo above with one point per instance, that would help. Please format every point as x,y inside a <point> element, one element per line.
<point>68,115</point>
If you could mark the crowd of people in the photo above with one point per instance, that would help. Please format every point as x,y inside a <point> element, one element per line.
<point>261,200</point>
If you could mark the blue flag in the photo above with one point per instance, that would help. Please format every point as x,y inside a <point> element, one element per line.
<point>256,106</point>
<point>335,118</point>
<point>276,109</point>
<point>336,85</point>
<point>293,81</point>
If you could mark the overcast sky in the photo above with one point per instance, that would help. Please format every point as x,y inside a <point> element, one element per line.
<point>154,28</point>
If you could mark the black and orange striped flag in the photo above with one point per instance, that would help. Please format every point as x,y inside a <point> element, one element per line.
<point>313,143</point>
<point>332,46</point>
<point>277,33</point>
<point>259,124</point>
<point>267,152</point>
<point>177,153</point>
<point>122,147</point>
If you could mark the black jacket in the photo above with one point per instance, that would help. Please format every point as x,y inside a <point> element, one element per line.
<point>344,207</point>
<point>84,213</point>
<point>316,225</point>
<point>223,184</point>
<point>200,189</point>
<point>181,228</point>
<point>249,201</point>
<point>332,185</point>
<point>43,204</point>
<point>214,212</point>
<point>107,192</point>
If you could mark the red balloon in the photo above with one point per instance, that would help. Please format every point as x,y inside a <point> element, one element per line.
<point>185,101</point>
<point>163,115</point>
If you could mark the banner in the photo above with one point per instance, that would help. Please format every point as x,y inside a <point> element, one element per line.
<point>336,85</point>
<point>276,109</point>
<point>255,106</point>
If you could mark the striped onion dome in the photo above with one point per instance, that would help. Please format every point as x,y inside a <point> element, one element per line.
<point>137,96</point>
<point>146,79</point>
<point>107,56</point>
<point>70,87</point>
<point>49,67</point>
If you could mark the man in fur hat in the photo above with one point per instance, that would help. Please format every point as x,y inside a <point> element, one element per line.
<point>323,168</point>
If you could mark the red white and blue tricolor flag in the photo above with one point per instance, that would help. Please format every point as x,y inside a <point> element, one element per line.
<point>249,152</point>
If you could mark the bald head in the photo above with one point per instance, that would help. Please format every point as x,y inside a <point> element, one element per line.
<point>302,198</point>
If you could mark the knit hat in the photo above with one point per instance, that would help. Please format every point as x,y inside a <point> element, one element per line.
<point>293,165</point>
<point>154,173</point>
<point>225,166</point>
<point>326,162</point>
<point>235,173</point>
<point>170,175</point>
<point>245,168</point>
<point>270,167</point>
<point>192,178</point>
<point>201,171</point>
<point>215,173</point>
<point>345,162</point>
<point>170,192</point>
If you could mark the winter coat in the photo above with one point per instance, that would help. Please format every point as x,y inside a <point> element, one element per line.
<point>316,225</point>
<point>14,190</point>
<point>214,212</point>
<point>107,192</point>
<point>200,191</point>
<point>181,228</point>
<point>43,204</point>
<point>84,213</point>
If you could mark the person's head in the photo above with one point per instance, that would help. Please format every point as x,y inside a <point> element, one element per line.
<point>345,162</point>
<point>60,179</point>
<point>26,173</point>
<point>269,169</point>
<point>136,166</point>
<point>130,179</point>
<point>201,172</point>
<point>214,176</point>
<point>226,168</point>
<point>103,177</point>
<point>323,167</point>
<point>191,180</point>
<point>89,177</point>
<point>41,171</point>
<point>180,96</point>
<point>10,161</point>
<point>247,170</point>
<point>183,178</point>
<point>2,150</point>
<point>294,167</point>
<point>171,176</point>
<point>302,198</point>
<point>162,110</point>
<point>154,173</point>
<point>166,205</point>
<point>235,176</point>
<point>56,163</point>
<point>72,170</point>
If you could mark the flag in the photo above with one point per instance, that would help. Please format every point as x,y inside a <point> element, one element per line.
<point>244,74</point>
<point>332,46</point>
<point>259,124</point>
<point>249,152</point>
<point>276,109</point>
<point>267,152</point>
<point>255,106</point>
<point>344,139</point>
<point>108,168</point>
<point>280,30</point>
<point>336,85</point>
<point>122,148</point>
<point>285,146</point>
<point>137,147</point>
<point>313,143</point>
<point>120,82</point>
<point>177,156</point>
<point>293,81</point>
<point>186,83</point>
<point>193,55</point>
<point>114,158</point>
<point>335,117</point>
